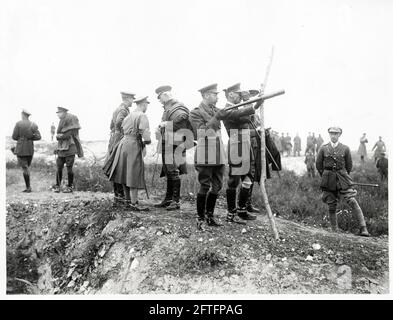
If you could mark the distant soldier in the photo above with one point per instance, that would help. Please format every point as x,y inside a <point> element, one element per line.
<point>379,147</point>
<point>210,157</point>
<point>52,130</point>
<point>174,118</point>
<point>314,141</point>
<point>319,142</point>
<point>116,127</point>
<point>362,151</point>
<point>128,167</point>
<point>68,145</point>
<point>310,144</point>
<point>288,144</point>
<point>25,132</point>
<point>297,145</point>
<point>310,164</point>
<point>382,166</point>
<point>334,164</point>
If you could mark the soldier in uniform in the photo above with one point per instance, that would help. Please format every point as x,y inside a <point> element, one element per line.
<point>128,167</point>
<point>319,142</point>
<point>288,144</point>
<point>25,132</point>
<point>52,130</point>
<point>118,116</point>
<point>283,144</point>
<point>297,145</point>
<point>379,147</point>
<point>362,151</point>
<point>236,122</point>
<point>382,166</point>
<point>310,144</point>
<point>334,164</point>
<point>310,164</point>
<point>209,155</point>
<point>174,119</point>
<point>68,145</point>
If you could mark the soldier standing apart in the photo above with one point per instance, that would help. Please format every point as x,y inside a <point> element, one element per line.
<point>310,164</point>
<point>209,155</point>
<point>128,168</point>
<point>362,151</point>
<point>174,118</point>
<point>297,145</point>
<point>319,142</point>
<point>68,145</point>
<point>288,144</point>
<point>334,163</point>
<point>241,166</point>
<point>52,130</point>
<point>116,127</point>
<point>379,147</point>
<point>25,132</point>
<point>382,166</point>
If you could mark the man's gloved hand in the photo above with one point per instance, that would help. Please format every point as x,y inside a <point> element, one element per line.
<point>163,124</point>
<point>59,136</point>
<point>55,151</point>
<point>220,114</point>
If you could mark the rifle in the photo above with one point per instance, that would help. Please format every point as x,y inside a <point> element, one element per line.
<point>258,99</point>
<point>374,185</point>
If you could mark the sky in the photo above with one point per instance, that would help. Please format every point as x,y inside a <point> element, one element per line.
<point>334,59</point>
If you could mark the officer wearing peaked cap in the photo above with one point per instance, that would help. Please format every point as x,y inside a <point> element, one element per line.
<point>241,166</point>
<point>334,164</point>
<point>128,167</point>
<point>25,132</point>
<point>210,157</point>
<point>116,134</point>
<point>175,117</point>
<point>68,145</point>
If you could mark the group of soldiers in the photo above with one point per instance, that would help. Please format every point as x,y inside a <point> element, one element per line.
<point>180,130</point>
<point>177,132</point>
<point>68,146</point>
<point>285,145</point>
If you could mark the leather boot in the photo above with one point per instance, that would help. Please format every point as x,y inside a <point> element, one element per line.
<point>358,213</point>
<point>333,221</point>
<point>210,204</point>
<point>249,206</point>
<point>242,211</point>
<point>231,203</point>
<point>26,177</point>
<point>175,203</point>
<point>168,196</point>
<point>201,206</point>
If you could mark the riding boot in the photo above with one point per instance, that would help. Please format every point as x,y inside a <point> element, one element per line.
<point>250,207</point>
<point>242,210</point>
<point>175,203</point>
<point>333,217</point>
<point>201,206</point>
<point>26,177</point>
<point>231,206</point>
<point>358,213</point>
<point>210,204</point>
<point>168,196</point>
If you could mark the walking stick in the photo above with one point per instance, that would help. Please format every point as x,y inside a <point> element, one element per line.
<point>263,155</point>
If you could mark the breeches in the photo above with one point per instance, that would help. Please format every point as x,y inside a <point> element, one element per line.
<point>68,161</point>
<point>24,161</point>
<point>210,177</point>
<point>331,197</point>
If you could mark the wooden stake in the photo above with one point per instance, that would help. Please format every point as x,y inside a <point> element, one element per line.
<point>263,156</point>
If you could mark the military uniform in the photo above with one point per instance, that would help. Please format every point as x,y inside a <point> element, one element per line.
<point>176,115</point>
<point>68,146</point>
<point>25,132</point>
<point>310,145</point>
<point>297,147</point>
<point>241,157</point>
<point>362,151</point>
<point>379,147</point>
<point>116,128</point>
<point>319,143</point>
<point>334,163</point>
<point>209,157</point>
<point>310,164</point>
<point>382,166</point>
<point>52,131</point>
